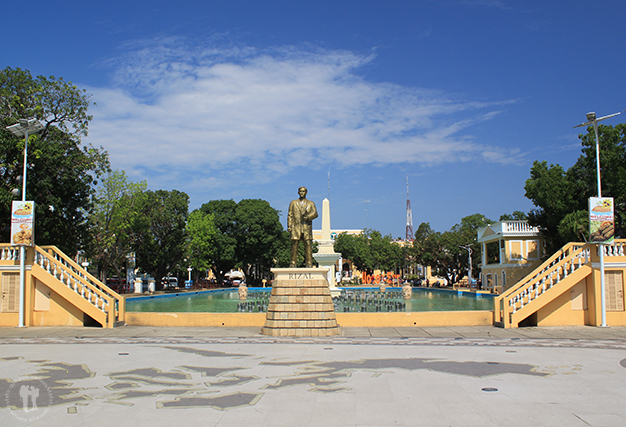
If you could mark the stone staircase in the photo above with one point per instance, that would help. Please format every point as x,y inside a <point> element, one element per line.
<point>72,282</point>
<point>541,286</point>
<point>556,275</point>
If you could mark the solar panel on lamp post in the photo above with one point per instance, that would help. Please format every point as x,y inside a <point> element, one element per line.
<point>592,120</point>
<point>24,128</point>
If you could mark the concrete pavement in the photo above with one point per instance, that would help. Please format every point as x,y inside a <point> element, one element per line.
<point>454,376</point>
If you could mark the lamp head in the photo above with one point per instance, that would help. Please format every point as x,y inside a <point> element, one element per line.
<point>591,116</point>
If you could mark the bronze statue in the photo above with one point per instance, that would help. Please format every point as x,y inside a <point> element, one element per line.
<point>302,212</point>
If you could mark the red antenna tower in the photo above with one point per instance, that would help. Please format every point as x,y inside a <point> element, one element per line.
<point>409,215</point>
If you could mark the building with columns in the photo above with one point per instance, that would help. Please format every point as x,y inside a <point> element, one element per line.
<point>510,249</point>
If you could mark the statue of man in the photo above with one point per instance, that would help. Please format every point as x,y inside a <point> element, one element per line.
<point>302,212</point>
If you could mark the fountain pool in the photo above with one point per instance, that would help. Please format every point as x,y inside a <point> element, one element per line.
<point>352,300</point>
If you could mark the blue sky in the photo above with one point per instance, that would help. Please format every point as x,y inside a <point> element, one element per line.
<point>248,99</point>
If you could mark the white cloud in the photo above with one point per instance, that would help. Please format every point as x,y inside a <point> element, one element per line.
<point>174,108</point>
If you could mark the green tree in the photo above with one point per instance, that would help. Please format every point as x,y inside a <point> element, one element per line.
<point>258,234</point>
<point>387,255</point>
<point>446,252</point>
<point>561,197</point>
<point>61,173</point>
<point>583,174</point>
<point>117,205</point>
<point>249,236</point>
<point>550,191</point>
<point>370,251</point>
<point>356,249</point>
<point>574,227</point>
<point>225,239</point>
<point>201,233</point>
<point>515,216</point>
<point>161,239</point>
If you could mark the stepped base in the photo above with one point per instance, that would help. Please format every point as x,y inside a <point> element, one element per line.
<point>300,304</point>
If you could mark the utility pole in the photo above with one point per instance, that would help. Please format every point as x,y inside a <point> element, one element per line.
<point>409,215</point>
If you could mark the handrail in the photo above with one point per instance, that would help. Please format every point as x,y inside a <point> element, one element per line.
<point>518,227</point>
<point>618,248</point>
<point>92,280</point>
<point>62,268</point>
<point>540,280</point>
<point>555,258</point>
<point>9,252</point>
<point>76,278</point>
<point>561,264</point>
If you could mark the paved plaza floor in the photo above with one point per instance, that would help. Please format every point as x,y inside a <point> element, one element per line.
<point>226,377</point>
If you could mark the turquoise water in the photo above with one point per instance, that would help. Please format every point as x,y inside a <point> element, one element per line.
<point>227,301</point>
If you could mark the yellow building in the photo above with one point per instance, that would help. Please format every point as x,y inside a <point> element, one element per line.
<point>510,249</point>
<point>565,289</point>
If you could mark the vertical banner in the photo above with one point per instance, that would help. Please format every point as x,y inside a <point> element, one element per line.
<point>22,223</point>
<point>601,220</point>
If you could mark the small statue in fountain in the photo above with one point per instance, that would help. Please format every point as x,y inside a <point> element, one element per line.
<point>243,292</point>
<point>407,291</point>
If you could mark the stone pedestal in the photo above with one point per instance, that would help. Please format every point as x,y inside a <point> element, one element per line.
<point>300,304</point>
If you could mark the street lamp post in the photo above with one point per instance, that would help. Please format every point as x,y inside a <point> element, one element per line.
<point>592,120</point>
<point>23,128</point>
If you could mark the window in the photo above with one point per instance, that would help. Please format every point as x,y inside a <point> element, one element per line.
<point>515,247</point>
<point>532,249</point>
<point>493,253</point>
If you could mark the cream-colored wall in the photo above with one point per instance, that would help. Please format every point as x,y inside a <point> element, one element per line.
<point>50,309</point>
<point>568,309</point>
<point>521,251</point>
<point>44,307</point>
<point>418,319</point>
<point>9,319</point>
<point>196,319</point>
<point>433,318</point>
<point>580,305</point>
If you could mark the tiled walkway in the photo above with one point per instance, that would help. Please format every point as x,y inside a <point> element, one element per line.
<point>472,376</point>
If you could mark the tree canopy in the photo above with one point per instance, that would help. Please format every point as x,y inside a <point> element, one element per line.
<point>446,253</point>
<point>201,232</point>
<point>113,221</point>
<point>61,173</point>
<point>160,231</point>
<point>248,235</point>
<point>370,251</point>
<point>561,196</point>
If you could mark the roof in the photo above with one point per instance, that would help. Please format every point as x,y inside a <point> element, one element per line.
<point>495,231</point>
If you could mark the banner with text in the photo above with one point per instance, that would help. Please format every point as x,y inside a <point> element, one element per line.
<point>601,220</point>
<point>22,223</point>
